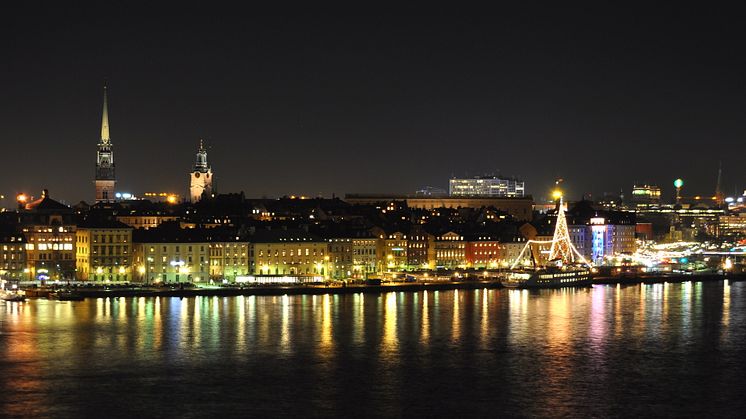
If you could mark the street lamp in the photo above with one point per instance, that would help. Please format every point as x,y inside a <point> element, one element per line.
<point>678,183</point>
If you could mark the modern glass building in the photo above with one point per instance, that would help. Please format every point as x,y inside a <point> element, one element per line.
<point>486,186</point>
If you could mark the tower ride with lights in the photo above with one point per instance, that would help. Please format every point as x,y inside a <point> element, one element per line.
<point>565,267</point>
<point>105,176</point>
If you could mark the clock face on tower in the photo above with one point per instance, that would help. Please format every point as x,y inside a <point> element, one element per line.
<point>196,174</point>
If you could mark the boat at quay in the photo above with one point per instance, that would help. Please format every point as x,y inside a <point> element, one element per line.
<point>548,278</point>
<point>12,296</point>
<point>566,266</point>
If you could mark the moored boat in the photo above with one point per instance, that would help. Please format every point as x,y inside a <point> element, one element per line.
<point>547,278</point>
<point>564,266</point>
<point>12,296</point>
<point>66,296</point>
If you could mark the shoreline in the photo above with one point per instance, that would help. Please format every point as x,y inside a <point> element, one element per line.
<point>103,292</point>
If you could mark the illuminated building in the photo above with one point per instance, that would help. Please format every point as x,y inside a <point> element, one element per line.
<point>491,186</point>
<point>167,197</point>
<point>599,234</point>
<point>103,251</point>
<point>340,258</point>
<point>646,195</point>
<point>50,239</point>
<point>420,249</point>
<point>229,254</point>
<point>365,255</point>
<point>450,250</point>
<point>512,250</point>
<point>12,256</point>
<point>229,259</point>
<point>732,225</point>
<point>395,248</point>
<point>170,254</point>
<point>485,251</point>
<point>519,208</point>
<point>105,176</point>
<point>145,219</point>
<point>201,176</point>
<point>288,252</point>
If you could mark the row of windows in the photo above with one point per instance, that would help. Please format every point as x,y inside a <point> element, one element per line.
<point>292,252</point>
<point>12,265</point>
<point>236,261</point>
<point>364,252</point>
<point>110,238</point>
<point>55,256</point>
<point>177,249</point>
<point>112,250</point>
<point>50,246</point>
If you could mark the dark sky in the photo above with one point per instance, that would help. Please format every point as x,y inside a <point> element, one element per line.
<point>374,100</point>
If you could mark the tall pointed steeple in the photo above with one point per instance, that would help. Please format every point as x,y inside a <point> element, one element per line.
<point>105,120</point>
<point>719,196</point>
<point>105,175</point>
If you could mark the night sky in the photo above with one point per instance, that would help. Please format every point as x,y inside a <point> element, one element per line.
<point>374,100</point>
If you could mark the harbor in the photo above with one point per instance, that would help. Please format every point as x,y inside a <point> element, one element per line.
<point>337,288</point>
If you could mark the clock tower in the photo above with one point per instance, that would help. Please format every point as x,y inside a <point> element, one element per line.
<point>201,176</point>
<point>105,176</point>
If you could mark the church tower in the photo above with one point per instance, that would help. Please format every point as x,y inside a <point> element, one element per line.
<point>201,176</point>
<point>105,177</point>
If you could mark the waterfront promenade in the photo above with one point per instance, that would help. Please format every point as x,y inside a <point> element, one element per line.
<point>103,291</point>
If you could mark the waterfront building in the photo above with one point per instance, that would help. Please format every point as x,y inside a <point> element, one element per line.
<point>420,249</point>
<point>450,250</point>
<point>288,252</point>
<point>484,251</point>
<point>169,254</point>
<point>229,255</point>
<point>105,176</point>
<point>365,256</point>
<point>340,257</point>
<point>103,251</point>
<point>201,178</point>
<point>511,251</point>
<point>49,230</point>
<point>491,186</point>
<point>600,234</point>
<point>394,250</point>
<point>13,256</point>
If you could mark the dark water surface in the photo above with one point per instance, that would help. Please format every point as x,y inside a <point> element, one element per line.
<point>651,350</point>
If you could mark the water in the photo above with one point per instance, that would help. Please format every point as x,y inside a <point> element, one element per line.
<point>654,350</point>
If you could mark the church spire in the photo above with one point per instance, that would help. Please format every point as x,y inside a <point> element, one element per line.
<point>105,120</point>
<point>719,196</point>
<point>105,175</point>
<point>200,165</point>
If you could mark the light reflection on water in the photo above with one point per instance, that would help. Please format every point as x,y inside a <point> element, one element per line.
<point>605,350</point>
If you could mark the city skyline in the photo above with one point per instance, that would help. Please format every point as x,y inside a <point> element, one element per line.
<point>402,102</point>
